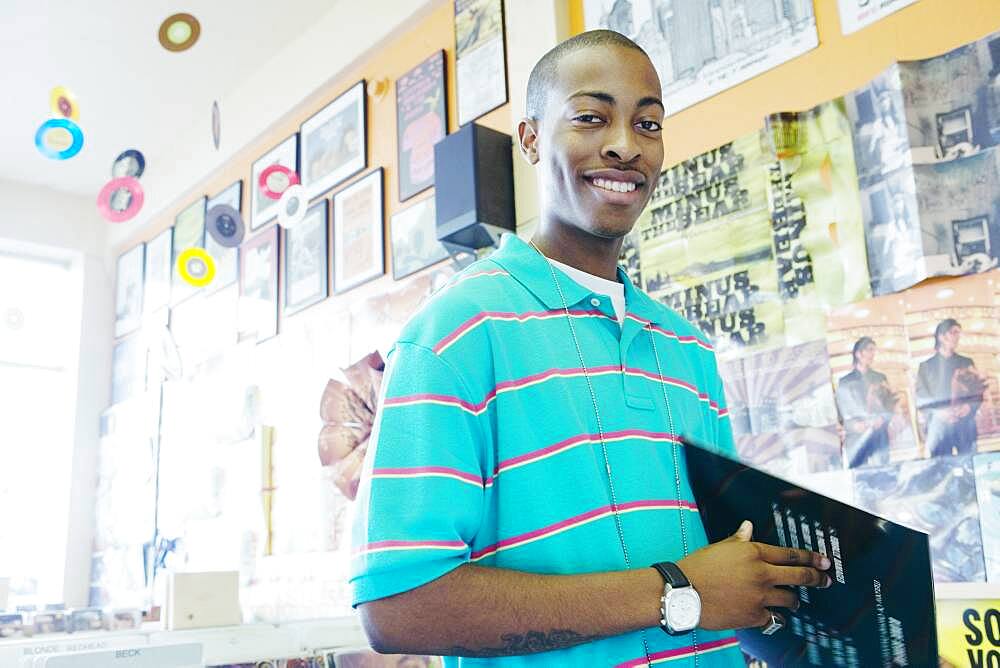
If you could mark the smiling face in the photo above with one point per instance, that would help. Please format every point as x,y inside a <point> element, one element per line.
<point>598,145</point>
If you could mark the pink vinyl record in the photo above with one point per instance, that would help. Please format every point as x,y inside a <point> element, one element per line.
<point>108,192</point>
<point>263,181</point>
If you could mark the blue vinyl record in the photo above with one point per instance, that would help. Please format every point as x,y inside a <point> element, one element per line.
<point>61,150</point>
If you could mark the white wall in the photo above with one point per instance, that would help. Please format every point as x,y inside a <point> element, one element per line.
<point>69,226</point>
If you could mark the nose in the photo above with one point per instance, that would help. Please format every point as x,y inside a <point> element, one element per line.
<point>620,143</point>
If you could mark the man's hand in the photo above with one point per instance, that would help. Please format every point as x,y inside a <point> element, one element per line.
<point>737,580</point>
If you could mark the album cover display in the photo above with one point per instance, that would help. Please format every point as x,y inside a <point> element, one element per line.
<point>879,611</point>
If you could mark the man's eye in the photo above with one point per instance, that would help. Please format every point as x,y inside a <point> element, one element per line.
<point>587,118</point>
<point>649,126</point>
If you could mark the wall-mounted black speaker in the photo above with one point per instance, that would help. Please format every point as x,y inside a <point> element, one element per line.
<point>473,188</point>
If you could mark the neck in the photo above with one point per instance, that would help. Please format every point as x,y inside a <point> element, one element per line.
<point>861,366</point>
<point>595,255</point>
<point>945,352</point>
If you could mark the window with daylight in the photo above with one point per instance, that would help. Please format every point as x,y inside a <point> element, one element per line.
<point>39,341</point>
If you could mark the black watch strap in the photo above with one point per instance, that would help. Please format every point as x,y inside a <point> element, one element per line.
<point>672,574</point>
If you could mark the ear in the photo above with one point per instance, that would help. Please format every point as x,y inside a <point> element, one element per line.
<point>527,134</point>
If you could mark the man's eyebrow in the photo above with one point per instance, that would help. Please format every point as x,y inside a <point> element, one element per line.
<point>597,95</point>
<point>650,100</point>
<point>647,101</point>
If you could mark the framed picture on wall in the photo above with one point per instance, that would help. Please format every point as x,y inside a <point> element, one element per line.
<point>414,239</point>
<point>189,232</point>
<point>358,218</point>
<point>128,290</point>
<point>334,142</point>
<point>480,58</point>
<point>307,258</point>
<point>258,301</point>
<point>421,122</point>
<point>263,207</point>
<point>227,260</point>
<point>156,292</point>
<point>128,368</point>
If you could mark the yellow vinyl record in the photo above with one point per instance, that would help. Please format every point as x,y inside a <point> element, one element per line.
<point>64,104</point>
<point>196,267</point>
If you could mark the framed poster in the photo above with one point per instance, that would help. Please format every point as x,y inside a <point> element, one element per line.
<point>414,239</point>
<point>227,260</point>
<point>128,368</point>
<point>357,233</point>
<point>306,268</point>
<point>481,60</point>
<point>421,122</point>
<point>157,269</point>
<point>335,142</point>
<point>258,303</point>
<point>128,291</point>
<point>262,207</point>
<point>189,232</point>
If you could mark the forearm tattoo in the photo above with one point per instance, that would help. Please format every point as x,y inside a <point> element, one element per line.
<point>529,643</point>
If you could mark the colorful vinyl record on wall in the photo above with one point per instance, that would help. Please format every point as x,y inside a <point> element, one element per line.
<point>63,103</point>
<point>59,139</point>
<point>179,32</point>
<point>225,225</point>
<point>129,163</point>
<point>196,267</point>
<point>276,179</point>
<point>292,206</point>
<point>120,199</point>
<point>216,125</point>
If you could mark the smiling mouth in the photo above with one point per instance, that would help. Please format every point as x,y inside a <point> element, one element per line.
<point>614,186</point>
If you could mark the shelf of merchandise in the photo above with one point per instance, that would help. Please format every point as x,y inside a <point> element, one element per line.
<point>221,645</point>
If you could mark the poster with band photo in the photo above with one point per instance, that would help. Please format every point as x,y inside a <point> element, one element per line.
<point>263,207</point>
<point>306,269</point>
<point>358,250</point>
<point>335,142</point>
<point>480,56</point>
<point>421,122</point>
<point>128,291</point>
<point>227,260</point>
<point>189,232</point>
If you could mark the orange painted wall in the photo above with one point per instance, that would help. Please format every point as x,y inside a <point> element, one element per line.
<point>840,64</point>
<point>425,34</point>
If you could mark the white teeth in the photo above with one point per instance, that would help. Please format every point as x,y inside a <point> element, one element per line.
<point>615,186</point>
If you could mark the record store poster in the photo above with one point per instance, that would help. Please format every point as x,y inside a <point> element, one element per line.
<point>870,365</point>
<point>782,410</point>
<point>753,250</point>
<point>969,632</point>
<point>954,342</point>
<point>706,246</point>
<point>925,133</point>
<point>700,49</point>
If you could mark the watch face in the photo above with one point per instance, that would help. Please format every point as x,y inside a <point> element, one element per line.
<point>683,609</point>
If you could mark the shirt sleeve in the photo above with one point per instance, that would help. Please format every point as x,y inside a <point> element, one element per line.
<point>420,500</point>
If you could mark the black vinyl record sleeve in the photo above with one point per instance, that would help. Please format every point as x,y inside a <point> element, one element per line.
<point>879,611</point>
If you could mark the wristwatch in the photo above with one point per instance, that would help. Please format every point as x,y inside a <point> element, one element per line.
<point>680,605</point>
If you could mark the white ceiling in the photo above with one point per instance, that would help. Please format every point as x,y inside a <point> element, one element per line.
<point>258,59</point>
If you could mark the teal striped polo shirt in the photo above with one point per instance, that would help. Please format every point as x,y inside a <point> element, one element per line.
<point>486,448</point>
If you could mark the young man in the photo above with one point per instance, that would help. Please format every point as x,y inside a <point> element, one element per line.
<point>525,475</point>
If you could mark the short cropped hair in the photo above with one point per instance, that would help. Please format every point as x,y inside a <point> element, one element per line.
<point>543,74</point>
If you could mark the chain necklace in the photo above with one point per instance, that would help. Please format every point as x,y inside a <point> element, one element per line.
<point>604,446</point>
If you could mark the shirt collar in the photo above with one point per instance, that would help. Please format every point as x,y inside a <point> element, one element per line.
<point>531,270</point>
